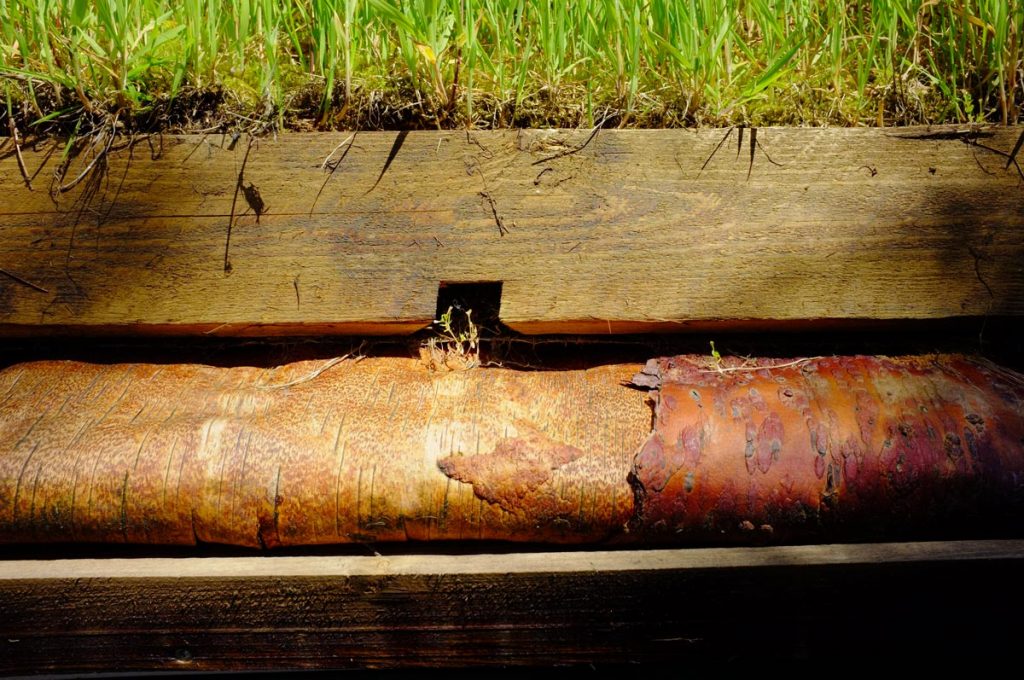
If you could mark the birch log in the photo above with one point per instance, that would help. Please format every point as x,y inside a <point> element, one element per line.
<point>381,449</point>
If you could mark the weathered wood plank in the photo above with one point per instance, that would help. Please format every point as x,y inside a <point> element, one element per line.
<point>929,599</point>
<point>626,234</point>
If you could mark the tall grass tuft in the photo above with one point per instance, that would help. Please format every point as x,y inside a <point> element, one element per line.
<point>485,63</point>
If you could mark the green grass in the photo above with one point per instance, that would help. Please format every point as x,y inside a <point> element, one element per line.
<point>191,64</point>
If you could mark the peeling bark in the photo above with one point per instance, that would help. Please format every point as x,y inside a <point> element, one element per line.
<point>836,447</point>
<point>383,450</point>
<point>180,454</point>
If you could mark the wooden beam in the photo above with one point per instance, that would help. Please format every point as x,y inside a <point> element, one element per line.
<point>922,600</point>
<point>352,233</point>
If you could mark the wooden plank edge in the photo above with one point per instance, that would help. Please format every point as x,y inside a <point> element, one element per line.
<point>400,327</point>
<point>606,561</point>
<point>215,330</point>
<point>667,326</point>
<point>663,608</point>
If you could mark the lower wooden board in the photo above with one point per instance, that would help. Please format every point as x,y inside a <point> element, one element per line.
<point>835,603</point>
<point>620,231</point>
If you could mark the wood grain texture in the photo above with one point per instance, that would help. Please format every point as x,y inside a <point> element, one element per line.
<point>627,234</point>
<point>933,600</point>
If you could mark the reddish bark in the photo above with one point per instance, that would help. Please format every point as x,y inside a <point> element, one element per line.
<point>832,447</point>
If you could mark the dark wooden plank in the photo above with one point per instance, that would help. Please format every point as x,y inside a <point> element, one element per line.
<point>742,604</point>
<point>627,234</point>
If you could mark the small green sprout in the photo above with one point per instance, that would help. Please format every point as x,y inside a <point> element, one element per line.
<point>456,345</point>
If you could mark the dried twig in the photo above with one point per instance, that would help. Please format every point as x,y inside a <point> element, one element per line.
<point>735,369</point>
<point>577,149</point>
<point>215,329</point>
<point>754,145</point>
<point>311,375</point>
<point>98,158</point>
<point>195,148</point>
<point>753,149</point>
<point>17,153</point>
<point>239,185</point>
<point>485,152</point>
<point>536,180</point>
<point>330,166</point>
<point>498,219</point>
<point>977,270</point>
<point>1012,158</point>
<point>970,137</point>
<point>765,152</point>
<point>327,160</point>
<point>719,146</point>
<point>945,135</point>
<point>24,282</point>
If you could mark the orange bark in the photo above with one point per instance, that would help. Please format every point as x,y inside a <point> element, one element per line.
<point>185,453</point>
